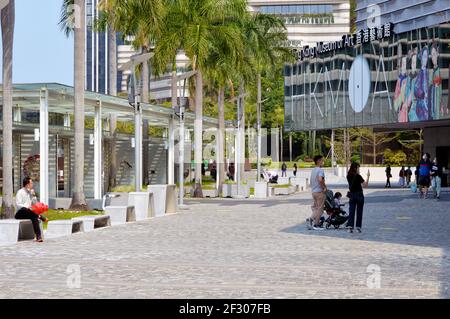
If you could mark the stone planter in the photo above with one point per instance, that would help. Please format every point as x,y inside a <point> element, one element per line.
<point>245,190</point>
<point>230,190</point>
<point>261,190</point>
<point>300,182</point>
<point>210,193</point>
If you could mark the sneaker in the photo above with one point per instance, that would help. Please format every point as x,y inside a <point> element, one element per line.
<point>39,240</point>
<point>358,230</point>
<point>318,228</point>
<point>350,230</point>
<point>438,197</point>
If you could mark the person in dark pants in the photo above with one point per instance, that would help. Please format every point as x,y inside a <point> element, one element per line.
<point>356,195</point>
<point>295,169</point>
<point>284,170</point>
<point>388,176</point>
<point>25,199</point>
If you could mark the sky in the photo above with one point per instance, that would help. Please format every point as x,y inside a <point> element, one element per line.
<point>42,53</point>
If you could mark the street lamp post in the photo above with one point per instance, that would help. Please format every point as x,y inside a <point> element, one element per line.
<point>184,78</point>
<point>131,65</point>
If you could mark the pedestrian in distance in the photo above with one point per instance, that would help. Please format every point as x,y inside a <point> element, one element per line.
<point>356,194</point>
<point>284,170</point>
<point>436,178</point>
<point>424,178</point>
<point>388,176</point>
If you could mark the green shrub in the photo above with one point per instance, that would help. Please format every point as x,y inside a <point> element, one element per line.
<point>124,189</point>
<point>395,158</point>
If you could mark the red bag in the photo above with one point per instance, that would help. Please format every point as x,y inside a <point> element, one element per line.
<point>39,208</point>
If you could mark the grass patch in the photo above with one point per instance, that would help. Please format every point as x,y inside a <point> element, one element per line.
<point>66,215</point>
<point>279,186</point>
<point>252,191</point>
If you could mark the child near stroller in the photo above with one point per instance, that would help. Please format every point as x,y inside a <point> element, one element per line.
<point>336,216</point>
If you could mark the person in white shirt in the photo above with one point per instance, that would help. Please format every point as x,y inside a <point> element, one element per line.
<point>25,199</point>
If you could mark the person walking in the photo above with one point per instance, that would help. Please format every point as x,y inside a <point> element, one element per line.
<point>319,190</point>
<point>284,170</point>
<point>25,199</point>
<point>408,176</point>
<point>424,179</point>
<point>295,169</point>
<point>356,195</point>
<point>402,175</point>
<point>388,176</point>
<point>436,178</point>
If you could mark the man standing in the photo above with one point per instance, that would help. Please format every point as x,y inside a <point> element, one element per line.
<point>284,170</point>
<point>388,176</point>
<point>26,198</point>
<point>424,180</point>
<point>408,176</point>
<point>436,178</point>
<point>319,190</point>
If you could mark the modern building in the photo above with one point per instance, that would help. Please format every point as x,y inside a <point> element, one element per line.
<point>308,22</point>
<point>97,66</point>
<point>389,76</point>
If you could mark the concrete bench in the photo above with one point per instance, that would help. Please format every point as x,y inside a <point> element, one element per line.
<point>116,206</point>
<point>90,223</point>
<point>144,205</point>
<point>13,230</point>
<point>165,197</point>
<point>62,228</point>
<point>284,190</point>
<point>120,214</point>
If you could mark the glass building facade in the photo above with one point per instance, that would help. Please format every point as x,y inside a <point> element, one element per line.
<point>401,81</point>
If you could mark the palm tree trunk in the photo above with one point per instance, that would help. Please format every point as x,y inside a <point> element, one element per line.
<point>145,141</point>
<point>78,197</point>
<point>374,145</point>
<point>198,131</point>
<point>221,136</point>
<point>8,20</point>
<point>113,118</point>
<point>281,144</point>
<point>242,159</point>
<point>290,146</point>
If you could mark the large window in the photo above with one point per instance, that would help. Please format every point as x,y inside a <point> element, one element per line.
<point>297,9</point>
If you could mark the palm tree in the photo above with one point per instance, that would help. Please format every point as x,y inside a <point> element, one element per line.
<point>266,36</point>
<point>108,22</point>
<point>8,20</point>
<point>194,26</point>
<point>73,19</point>
<point>222,63</point>
<point>140,20</point>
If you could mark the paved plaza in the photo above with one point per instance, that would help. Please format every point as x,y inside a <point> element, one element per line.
<point>245,249</point>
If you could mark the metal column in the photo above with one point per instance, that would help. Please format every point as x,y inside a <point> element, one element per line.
<point>98,158</point>
<point>171,155</point>
<point>44,152</point>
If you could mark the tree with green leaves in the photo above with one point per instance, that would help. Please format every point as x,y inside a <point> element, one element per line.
<point>140,21</point>
<point>73,20</point>
<point>7,23</point>
<point>194,26</point>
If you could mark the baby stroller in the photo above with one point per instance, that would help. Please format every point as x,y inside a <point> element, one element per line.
<point>336,216</point>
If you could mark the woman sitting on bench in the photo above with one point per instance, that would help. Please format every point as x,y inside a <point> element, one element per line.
<point>25,199</point>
